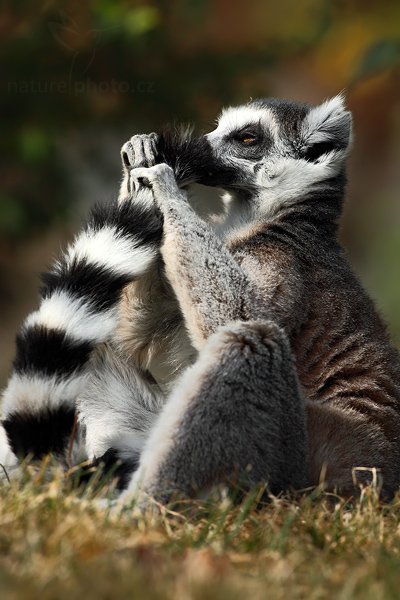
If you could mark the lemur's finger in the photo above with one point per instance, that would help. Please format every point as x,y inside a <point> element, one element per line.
<point>148,152</point>
<point>127,155</point>
<point>153,140</point>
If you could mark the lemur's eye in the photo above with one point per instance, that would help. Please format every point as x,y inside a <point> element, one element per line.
<point>246,138</point>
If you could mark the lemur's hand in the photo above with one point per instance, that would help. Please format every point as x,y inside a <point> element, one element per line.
<point>139,151</point>
<point>162,181</point>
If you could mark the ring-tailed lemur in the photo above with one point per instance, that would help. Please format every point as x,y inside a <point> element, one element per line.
<point>293,372</point>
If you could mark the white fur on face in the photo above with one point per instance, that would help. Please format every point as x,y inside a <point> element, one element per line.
<point>319,125</point>
<point>233,119</point>
<point>285,179</point>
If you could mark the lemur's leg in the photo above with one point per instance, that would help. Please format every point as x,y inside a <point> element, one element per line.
<point>79,310</point>
<point>350,444</point>
<point>210,285</point>
<point>236,416</point>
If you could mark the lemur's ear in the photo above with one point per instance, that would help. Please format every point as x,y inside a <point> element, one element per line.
<point>326,128</point>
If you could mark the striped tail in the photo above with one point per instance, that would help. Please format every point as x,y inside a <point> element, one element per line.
<point>78,310</point>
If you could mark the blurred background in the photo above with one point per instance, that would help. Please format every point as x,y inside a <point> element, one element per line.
<point>79,78</point>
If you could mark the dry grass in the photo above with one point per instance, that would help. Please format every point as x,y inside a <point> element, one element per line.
<point>57,542</point>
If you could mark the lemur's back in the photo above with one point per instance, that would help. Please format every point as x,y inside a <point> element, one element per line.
<point>346,362</point>
<point>342,348</point>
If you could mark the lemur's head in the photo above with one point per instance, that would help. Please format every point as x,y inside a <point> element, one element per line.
<point>279,148</point>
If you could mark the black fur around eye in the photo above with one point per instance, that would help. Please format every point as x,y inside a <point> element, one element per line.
<point>247,136</point>
<point>316,150</point>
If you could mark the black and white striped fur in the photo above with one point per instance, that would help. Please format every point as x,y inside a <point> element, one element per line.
<point>80,311</point>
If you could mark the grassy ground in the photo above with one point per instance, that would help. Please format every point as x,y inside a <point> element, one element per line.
<point>57,542</point>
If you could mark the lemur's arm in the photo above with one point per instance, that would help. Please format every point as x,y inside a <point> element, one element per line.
<point>78,310</point>
<point>211,286</point>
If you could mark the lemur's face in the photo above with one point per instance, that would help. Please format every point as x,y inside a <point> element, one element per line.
<point>279,148</point>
